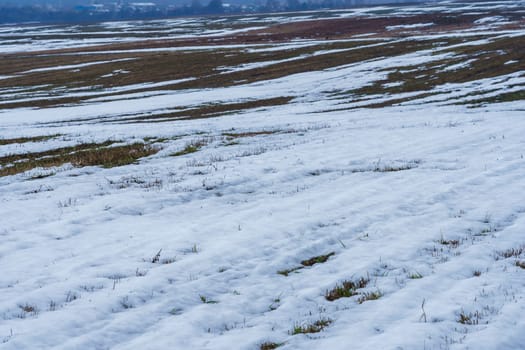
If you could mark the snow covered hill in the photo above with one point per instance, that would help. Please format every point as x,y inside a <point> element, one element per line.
<point>335,180</point>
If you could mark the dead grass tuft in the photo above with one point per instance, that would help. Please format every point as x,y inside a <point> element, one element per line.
<point>317,259</point>
<point>306,263</point>
<point>520,264</point>
<point>191,147</point>
<point>346,289</point>
<point>469,319</point>
<point>315,327</point>
<point>452,243</point>
<point>269,346</point>
<point>28,309</point>
<point>206,300</point>
<point>512,252</point>
<point>369,296</point>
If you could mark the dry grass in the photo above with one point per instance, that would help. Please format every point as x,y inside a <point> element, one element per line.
<point>308,64</point>
<point>306,263</point>
<point>452,243</point>
<point>489,62</point>
<point>512,252</point>
<point>207,66</point>
<point>191,147</point>
<point>520,264</point>
<point>470,318</point>
<point>146,67</point>
<point>91,154</point>
<point>27,139</point>
<point>6,160</point>
<point>415,276</point>
<point>317,259</point>
<point>209,110</point>
<point>235,135</point>
<point>286,272</point>
<point>28,309</point>
<point>113,156</point>
<point>269,346</point>
<point>346,289</point>
<point>206,300</point>
<point>204,66</point>
<point>499,98</point>
<point>369,296</point>
<point>394,168</point>
<point>314,327</point>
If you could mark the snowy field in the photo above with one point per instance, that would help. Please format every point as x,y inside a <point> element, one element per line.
<point>334,180</point>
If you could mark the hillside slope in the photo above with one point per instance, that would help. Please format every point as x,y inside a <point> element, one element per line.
<point>349,179</point>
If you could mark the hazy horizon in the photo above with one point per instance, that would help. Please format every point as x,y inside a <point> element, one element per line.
<point>71,3</point>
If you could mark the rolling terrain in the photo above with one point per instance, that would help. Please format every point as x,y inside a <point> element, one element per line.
<point>347,179</point>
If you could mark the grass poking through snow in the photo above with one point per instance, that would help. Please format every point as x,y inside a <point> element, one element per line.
<point>191,147</point>
<point>27,139</point>
<point>307,263</point>
<point>369,296</point>
<point>269,346</point>
<point>346,289</point>
<point>315,327</point>
<point>79,156</point>
<point>317,259</point>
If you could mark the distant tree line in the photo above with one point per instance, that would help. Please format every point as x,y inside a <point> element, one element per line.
<point>95,13</point>
<point>306,5</point>
<point>12,14</point>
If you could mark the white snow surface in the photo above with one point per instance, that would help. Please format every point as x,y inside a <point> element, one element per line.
<point>73,66</point>
<point>79,248</point>
<point>410,26</point>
